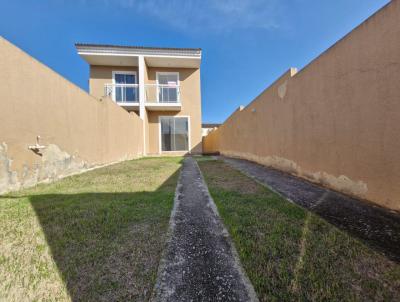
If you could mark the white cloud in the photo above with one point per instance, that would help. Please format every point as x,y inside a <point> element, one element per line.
<point>208,15</point>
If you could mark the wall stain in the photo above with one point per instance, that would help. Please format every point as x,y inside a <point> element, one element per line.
<point>8,178</point>
<point>55,164</point>
<point>282,89</point>
<point>341,183</point>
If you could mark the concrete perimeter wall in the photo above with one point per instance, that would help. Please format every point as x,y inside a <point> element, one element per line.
<point>78,131</point>
<point>336,122</point>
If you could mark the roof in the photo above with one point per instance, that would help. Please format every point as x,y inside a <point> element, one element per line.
<point>134,47</point>
<point>120,55</point>
<point>210,125</point>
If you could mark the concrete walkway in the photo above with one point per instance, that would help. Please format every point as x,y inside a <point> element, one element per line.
<point>200,262</point>
<point>378,227</point>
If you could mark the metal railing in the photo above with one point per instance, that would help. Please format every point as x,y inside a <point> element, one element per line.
<point>154,93</point>
<point>162,93</point>
<point>122,93</point>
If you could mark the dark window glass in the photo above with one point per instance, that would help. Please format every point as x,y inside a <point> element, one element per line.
<point>123,93</point>
<point>174,134</point>
<point>168,90</point>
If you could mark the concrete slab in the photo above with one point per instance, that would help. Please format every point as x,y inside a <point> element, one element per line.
<point>200,262</point>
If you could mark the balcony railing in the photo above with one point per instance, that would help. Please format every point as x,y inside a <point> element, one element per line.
<point>154,93</point>
<point>162,93</point>
<point>122,93</point>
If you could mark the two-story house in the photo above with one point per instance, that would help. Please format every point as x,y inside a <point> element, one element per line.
<point>161,85</point>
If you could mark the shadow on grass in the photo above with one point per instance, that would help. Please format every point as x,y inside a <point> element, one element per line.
<point>106,246</point>
<point>291,254</point>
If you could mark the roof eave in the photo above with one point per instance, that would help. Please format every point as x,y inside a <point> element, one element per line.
<point>85,49</point>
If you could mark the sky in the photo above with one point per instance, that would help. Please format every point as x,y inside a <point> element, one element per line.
<point>247,44</point>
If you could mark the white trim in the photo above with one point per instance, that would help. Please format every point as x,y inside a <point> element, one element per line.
<point>160,151</point>
<point>178,95</point>
<point>106,54</point>
<point>128,104</point>
<point>163,106</point>
<point>114,72</point>
<point>142,92</point>
<point>118,51</point>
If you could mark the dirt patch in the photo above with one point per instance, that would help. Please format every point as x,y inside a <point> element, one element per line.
<point>376,268</point>
<point>229,179</point>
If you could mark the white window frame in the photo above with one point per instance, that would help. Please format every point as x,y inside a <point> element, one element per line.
<point>160,151</point>
<point>158,73</point>
<point>115,72</point>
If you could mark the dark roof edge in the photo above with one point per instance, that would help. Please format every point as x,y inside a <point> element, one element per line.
<point>134,47</point>
<point>210,125</point>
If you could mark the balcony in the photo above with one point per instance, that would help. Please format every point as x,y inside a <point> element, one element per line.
<point>162,97</point>
<point>126,95</point>
<point>156,96</point>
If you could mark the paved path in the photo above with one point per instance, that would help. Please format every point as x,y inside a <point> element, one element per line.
<point>378,227</point>
<point>200,262</point>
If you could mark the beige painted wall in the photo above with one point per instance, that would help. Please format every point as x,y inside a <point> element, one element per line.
<point>78,130</point>
<point>336,122</point>
<point>191,106</point>
<point>211,143</point>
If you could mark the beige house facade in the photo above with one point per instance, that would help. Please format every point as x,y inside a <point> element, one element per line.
<point>159,85</point>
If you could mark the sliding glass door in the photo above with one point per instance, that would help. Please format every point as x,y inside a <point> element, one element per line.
<point>174,133</point>
<point>125,89</point>
<point>168,87</point>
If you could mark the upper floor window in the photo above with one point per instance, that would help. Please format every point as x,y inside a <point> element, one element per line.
<point>125,86</point>
<point>168,87</point>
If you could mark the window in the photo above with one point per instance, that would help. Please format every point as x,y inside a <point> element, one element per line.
<point>174,133</point>
<point>168,87</point>
<point>124,89</point>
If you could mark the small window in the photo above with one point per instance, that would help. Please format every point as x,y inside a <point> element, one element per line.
<point>174,133</point>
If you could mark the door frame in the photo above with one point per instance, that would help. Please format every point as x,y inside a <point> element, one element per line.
<point>158,73</point>
<point>160,151</point>
<point>115,72</point>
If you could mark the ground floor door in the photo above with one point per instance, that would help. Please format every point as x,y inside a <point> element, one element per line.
<point>174,133</point>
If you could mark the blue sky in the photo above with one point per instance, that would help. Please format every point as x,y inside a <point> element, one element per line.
<point>246,44</point>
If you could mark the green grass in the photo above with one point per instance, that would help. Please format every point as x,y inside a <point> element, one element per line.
<point>291,254</point>
<point>97,236</point>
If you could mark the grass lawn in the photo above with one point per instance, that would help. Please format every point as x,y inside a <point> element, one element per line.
<point>97,236</point>
<point>291,254</point>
